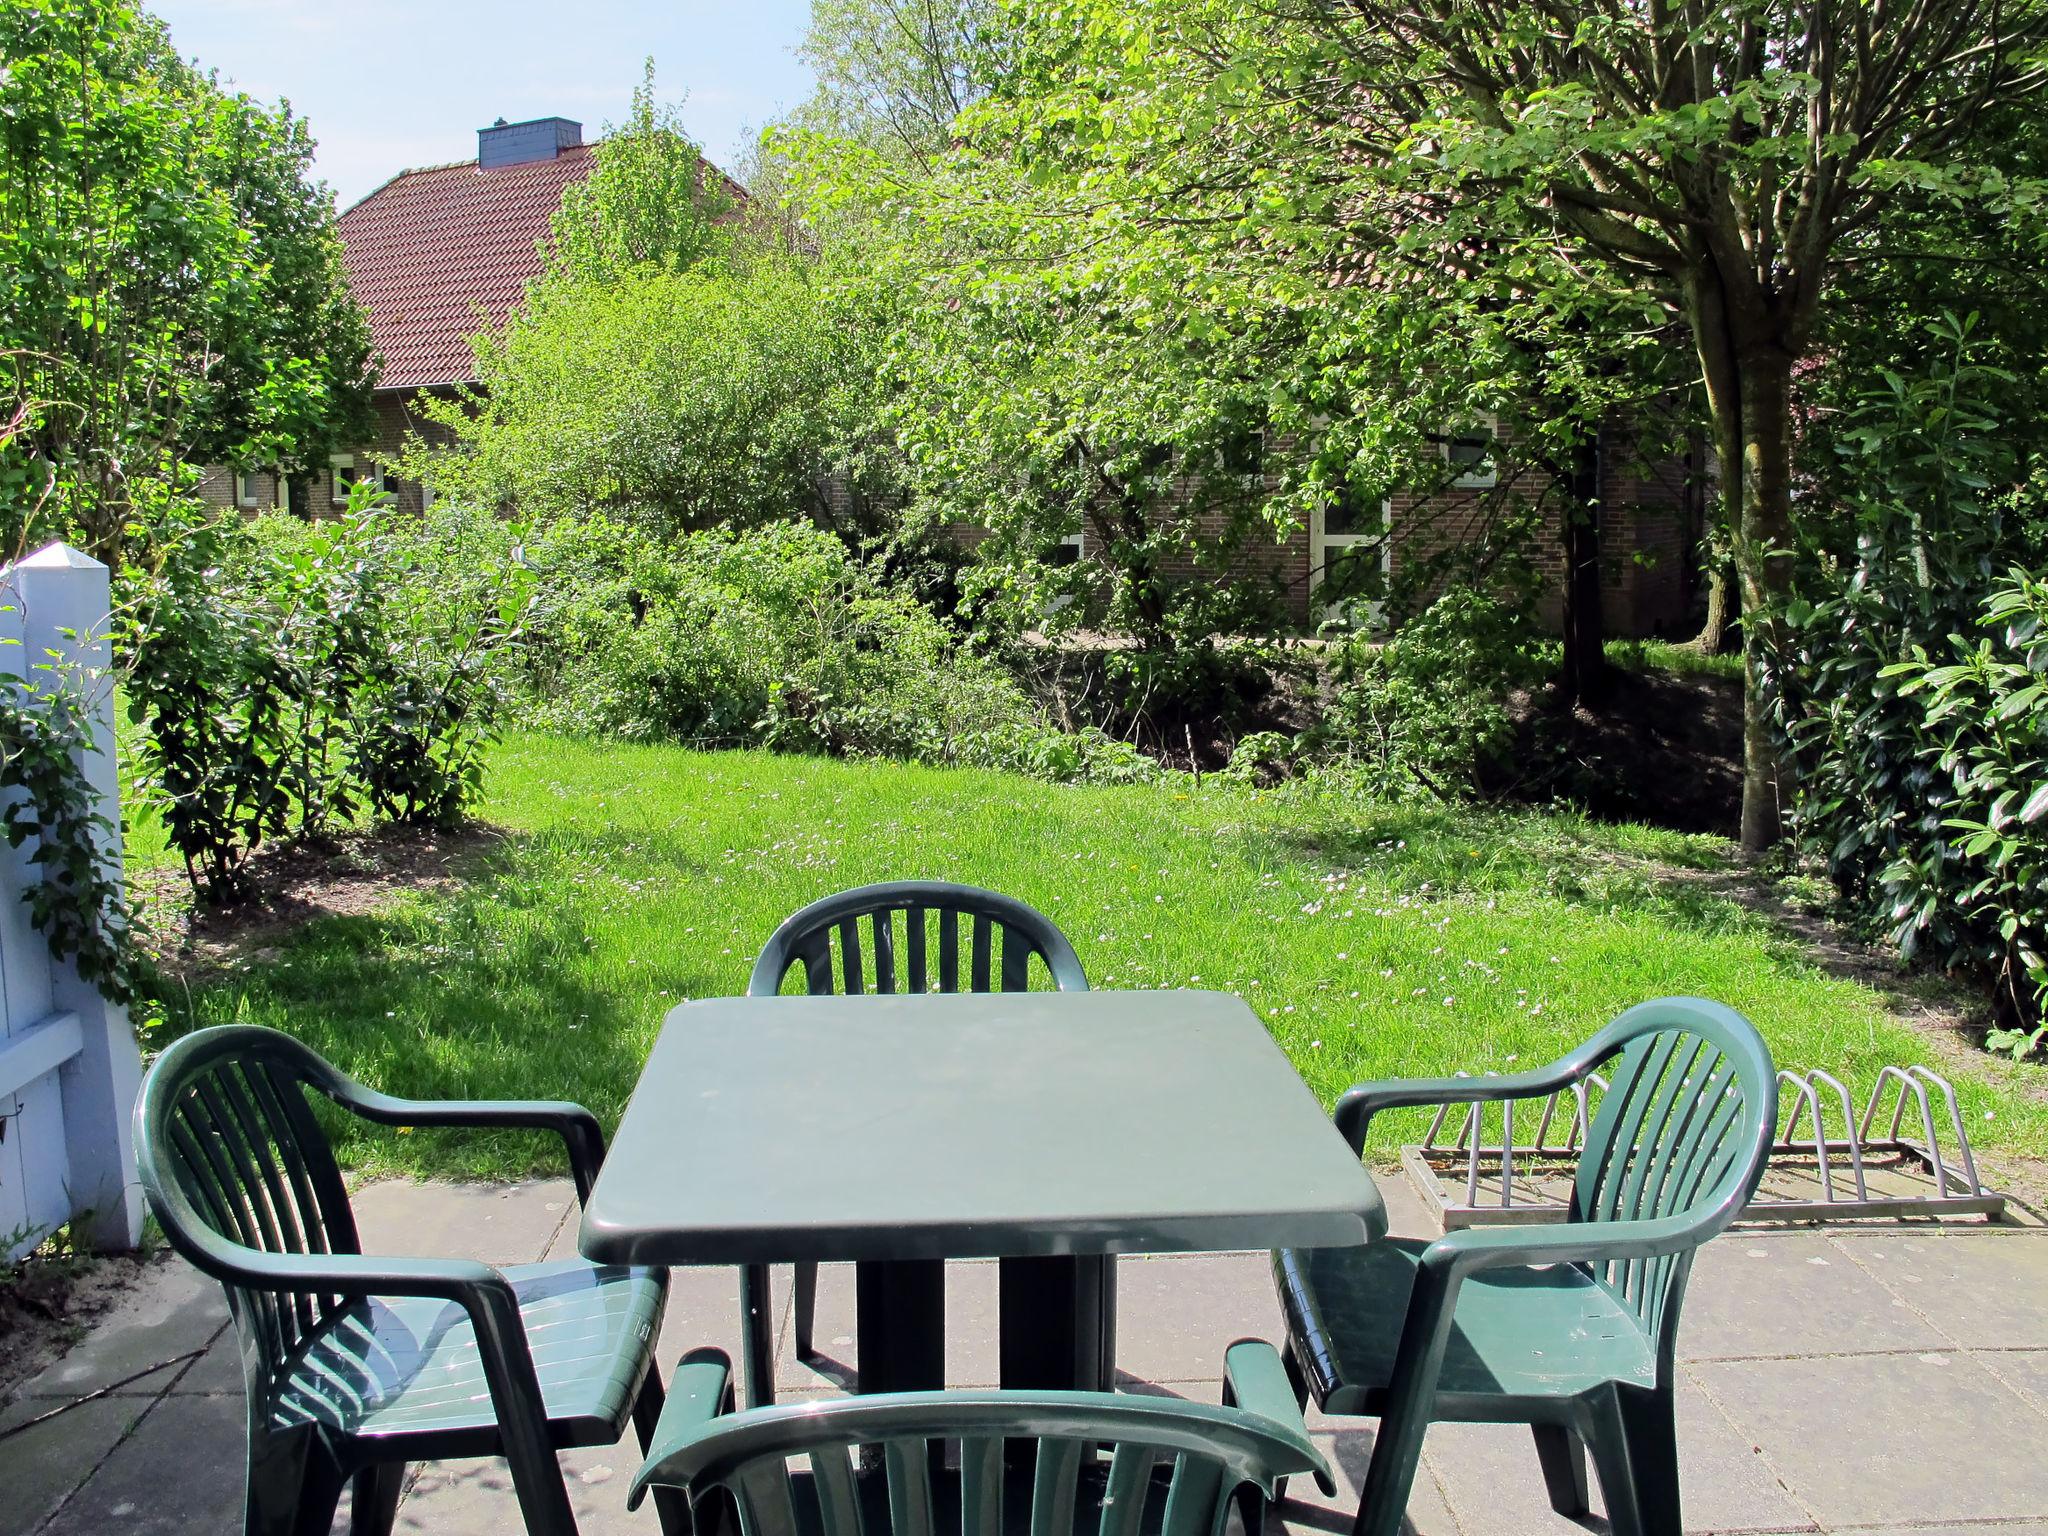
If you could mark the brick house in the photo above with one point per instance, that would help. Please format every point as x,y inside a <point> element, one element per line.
<point>434,256</point>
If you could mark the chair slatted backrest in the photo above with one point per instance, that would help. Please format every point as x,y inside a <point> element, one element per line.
<point>1682,1130</point>
<point>229,1150</point>
<point>916,936</point>
<point>1171,1466</point>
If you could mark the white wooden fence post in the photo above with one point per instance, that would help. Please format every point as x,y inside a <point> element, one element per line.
<point>69,1064</point>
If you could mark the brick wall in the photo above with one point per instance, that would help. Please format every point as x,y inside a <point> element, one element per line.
<point>1648,530</point>
<point>398,416</point>
<point>217,488</point>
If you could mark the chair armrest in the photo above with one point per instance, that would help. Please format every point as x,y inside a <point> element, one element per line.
<point>1473,1249</point>
<point>699,1392</point>
<point>1357,1107</point>
<point>334,1274</point>
<point>1255,1381</point>
<point>576,1125</point>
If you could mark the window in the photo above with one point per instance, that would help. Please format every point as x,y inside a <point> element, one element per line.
<point>1342,535</point>
<point>1469,451</point>
<point>1070,551</point>
<point>245,488</point>
<point>345,474</point>
<point>1244,453</point>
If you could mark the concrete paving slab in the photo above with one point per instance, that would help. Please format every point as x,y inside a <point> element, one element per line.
<point>170,1311</point>
<point>496,1223</point>
<point>40,1467</point>
<point>178,1474</point>
<point>475,1498</point>
<point>216,1373</point>
<point>1491,1478</point>
<point>1877,1439</point>
<point>1754,1294</point>
<point>1348,1448</point>
<point>1983,1288</point>
<point>1176,1316</point>
<point>2024,1370</point>
<point>703,1311</point>
<point>1407,1216</point>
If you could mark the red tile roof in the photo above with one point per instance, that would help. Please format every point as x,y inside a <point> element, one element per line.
<point>437,255</point>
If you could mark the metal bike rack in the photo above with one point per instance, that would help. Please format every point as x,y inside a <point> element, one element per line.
<point>1472,1171</point>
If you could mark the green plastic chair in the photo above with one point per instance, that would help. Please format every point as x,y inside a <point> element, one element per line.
<point>354,1366</point>
<point>1568,1328</point>
<point>1172,1470</point>
<point>884,943</point>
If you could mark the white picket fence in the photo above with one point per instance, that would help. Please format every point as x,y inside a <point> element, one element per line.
<point>69,1066</point>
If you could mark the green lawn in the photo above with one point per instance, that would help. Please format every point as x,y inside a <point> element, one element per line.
<point>1373,940</point>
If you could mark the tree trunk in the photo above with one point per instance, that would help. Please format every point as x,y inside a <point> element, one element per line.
<point>1763,567</point>
<point>1712,639</point>
<point>1748,378</point>
<point>1583,674</point>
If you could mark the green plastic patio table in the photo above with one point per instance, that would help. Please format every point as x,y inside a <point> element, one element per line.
<point>1052,1131</point>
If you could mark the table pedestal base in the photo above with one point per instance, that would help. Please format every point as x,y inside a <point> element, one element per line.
<point>901,1306</point>
<point>1059,1324</point>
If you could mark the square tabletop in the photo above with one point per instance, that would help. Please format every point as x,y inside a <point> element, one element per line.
<point>971,1125</point>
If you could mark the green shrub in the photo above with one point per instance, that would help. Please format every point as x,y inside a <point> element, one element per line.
<point>1987,713</point>
<point>778,636</point>
<point>1428,706</point>
<point>1907,694</point>
<point>290,675</point>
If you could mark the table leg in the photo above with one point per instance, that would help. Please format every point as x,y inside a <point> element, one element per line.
<point>757,1332</point>
<point>901,1306</point>
<point>1059,1323</point>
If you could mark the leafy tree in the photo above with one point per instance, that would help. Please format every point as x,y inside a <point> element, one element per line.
<point>1721,158</point>
<point>170,282</point>
<point>682,400</point>
<point>894,74</point>
<point>1107,281</point>
<point>651,199</point>
<point>1709,165</point>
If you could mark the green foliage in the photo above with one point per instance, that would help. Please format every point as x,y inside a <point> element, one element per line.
<point>676,400</point>
<point>292,675</point>
<point>651,200</point>
<point>892,75</point>
<point>1428,705</point>
<point>778,636</point>
<point>171,288</point>
<point>1915,737</point>
<point>80,903</point>
<point>1987,711</point>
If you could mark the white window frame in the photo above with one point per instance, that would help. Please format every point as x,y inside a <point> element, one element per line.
<point>1488,477</point>
<point>1321,541</point>
<point>1078,542</point>
<point>244,481</point>
<point>336,496</point>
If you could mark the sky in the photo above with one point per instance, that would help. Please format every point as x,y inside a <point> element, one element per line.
<point>389,84</point>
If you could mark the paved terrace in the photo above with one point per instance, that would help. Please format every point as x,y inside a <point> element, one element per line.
<point>1881,1379</point>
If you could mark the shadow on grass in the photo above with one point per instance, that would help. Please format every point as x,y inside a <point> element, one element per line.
<point>498,983</point>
